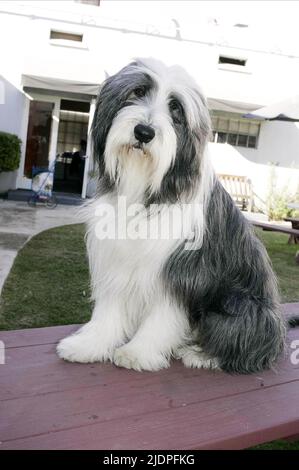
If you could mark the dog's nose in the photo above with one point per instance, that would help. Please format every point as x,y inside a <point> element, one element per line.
<point>144,133</point>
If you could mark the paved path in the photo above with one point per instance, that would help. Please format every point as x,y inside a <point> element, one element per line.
<point>19,222</point>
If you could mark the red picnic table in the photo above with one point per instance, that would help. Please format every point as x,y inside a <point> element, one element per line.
<point>47,403</point>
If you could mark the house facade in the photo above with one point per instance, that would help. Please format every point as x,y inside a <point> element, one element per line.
<point>55,55</point>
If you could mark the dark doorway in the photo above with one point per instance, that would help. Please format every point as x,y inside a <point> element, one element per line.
<point>38,136</point>
<point>71,146</point>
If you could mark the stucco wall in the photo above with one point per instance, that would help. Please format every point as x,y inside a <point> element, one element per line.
<point>11,109</point>
<point>278,144</point>
<point>8,181</point>
<point>109,44</point>
<point>11,117</point>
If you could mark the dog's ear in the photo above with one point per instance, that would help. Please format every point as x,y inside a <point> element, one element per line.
<point>184,175</point>
<point>111,99</point>
<point>201,123</point>
<point>107,106</point>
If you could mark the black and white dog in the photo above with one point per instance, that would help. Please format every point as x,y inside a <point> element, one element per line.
<point>206,293</point>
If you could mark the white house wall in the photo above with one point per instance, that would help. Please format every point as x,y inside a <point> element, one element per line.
<point>12,113</point>
<point>278,146</point>
<point>11,109</point>
<point>109,44</point>
<point>265,177</point>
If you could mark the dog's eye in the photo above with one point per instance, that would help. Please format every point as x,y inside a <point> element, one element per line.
<point>176,111</point>
<point>140,91</point>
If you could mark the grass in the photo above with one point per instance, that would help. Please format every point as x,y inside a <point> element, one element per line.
<point>282,256</point>
<point>278,445</point>
<point>48,284</point>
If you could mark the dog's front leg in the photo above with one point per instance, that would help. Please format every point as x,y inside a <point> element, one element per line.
<point>97,340</point>
<point>161,332</point>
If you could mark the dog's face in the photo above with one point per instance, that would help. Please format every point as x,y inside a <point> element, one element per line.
<point>150,128</point>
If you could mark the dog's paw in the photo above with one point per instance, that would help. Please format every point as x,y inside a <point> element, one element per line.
<point>194,357</point>
<point>81,347</point>
<point>130,358</point>
<point>200,361</point>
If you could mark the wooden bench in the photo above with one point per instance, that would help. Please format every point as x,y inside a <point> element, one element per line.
<point>295,225</point>
<point>240,189</point>
<point>293,233</point>
<point>47,403</point>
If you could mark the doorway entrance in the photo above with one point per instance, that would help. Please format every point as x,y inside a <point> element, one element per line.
<point>71,146</point>
<point>56,130</point>
<point>38,136</point>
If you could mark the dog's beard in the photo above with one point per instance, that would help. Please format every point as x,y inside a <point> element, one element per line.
<point>133,150</point>
<point>137,167</point>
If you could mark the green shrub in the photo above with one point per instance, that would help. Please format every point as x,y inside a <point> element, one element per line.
<point>278,208</point>
<point>278,200</point>
<point>10,152</point>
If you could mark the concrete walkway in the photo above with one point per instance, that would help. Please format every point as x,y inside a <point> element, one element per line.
<point>19,222</point>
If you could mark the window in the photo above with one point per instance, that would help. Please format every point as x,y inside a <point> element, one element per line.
<point>72,129</point>
<point>232,139</point>
<point>242,140</point>
<point>96,3</point>
<point>66,36</point>
<point>231,129</point>
<point>240,25</point>
<point>231,60</point>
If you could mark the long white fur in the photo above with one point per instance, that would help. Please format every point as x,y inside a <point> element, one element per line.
<point>134,322</point>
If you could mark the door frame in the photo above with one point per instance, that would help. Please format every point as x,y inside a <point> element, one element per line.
<point>88,159</point>
<point>23,182</point>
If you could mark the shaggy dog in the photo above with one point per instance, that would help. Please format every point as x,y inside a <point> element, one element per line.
<point>206,292</point>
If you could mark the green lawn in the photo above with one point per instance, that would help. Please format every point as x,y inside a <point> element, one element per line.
<point>48,284</point>
<point>282,256</point>
<point>278,445</point>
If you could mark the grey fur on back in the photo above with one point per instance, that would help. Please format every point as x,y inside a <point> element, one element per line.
<point>229,291</point>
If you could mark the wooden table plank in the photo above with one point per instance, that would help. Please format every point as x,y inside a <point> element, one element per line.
<point>34,336</point>
<point>37,370</point>
<point>276,228</point>
<point>222,423</point>
<point>135,393</point>
<point>48,403</point>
